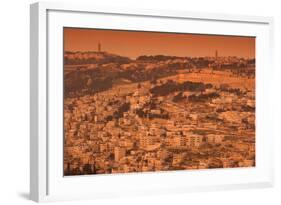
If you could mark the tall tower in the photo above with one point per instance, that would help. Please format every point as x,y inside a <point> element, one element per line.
<point>99,47</point>
<point>216,54</point>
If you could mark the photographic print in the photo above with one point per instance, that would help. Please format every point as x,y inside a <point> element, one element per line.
<point>142,101</point>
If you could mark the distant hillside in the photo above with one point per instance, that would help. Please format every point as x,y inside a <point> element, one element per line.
<point>73,58</point>
<point>158,58</point>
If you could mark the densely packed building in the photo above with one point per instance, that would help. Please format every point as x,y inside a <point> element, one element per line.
<point>186,120</point>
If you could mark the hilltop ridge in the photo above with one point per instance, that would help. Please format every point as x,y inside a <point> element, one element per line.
<point>87,57</point>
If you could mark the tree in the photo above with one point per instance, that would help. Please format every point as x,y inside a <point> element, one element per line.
<point>153,81</point>
<point>178,97</point>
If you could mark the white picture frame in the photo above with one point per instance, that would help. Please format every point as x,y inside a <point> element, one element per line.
<point>46,178</point>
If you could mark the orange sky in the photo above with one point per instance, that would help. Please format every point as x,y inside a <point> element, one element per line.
<point>136,43</point>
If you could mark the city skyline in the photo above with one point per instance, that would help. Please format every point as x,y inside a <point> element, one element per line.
<point>133,44</point>
<point>160,111</point>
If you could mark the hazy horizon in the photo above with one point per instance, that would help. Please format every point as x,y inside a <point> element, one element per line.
<point>133,44</point>
<point>77,51</point>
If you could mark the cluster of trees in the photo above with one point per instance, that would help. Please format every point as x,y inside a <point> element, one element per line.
<point>200,62</point>
<point>179,97</point>
<point>248,108</point>
<point>140,74</point>
<point>158,58</point>
<point>99,79</point>
<point>226,88</point>
<point>125,107</point>
<point>77,81</point>
<point>214,117</point>
<point>203,97</point>
<point>191,62</point>
<point>172,86</point>
<point>146,114</point>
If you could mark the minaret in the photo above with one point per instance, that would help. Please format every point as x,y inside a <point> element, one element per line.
<point>216,54</point>
<point>99,47</point>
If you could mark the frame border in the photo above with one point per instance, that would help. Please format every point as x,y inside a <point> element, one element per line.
<point>39,188</point>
